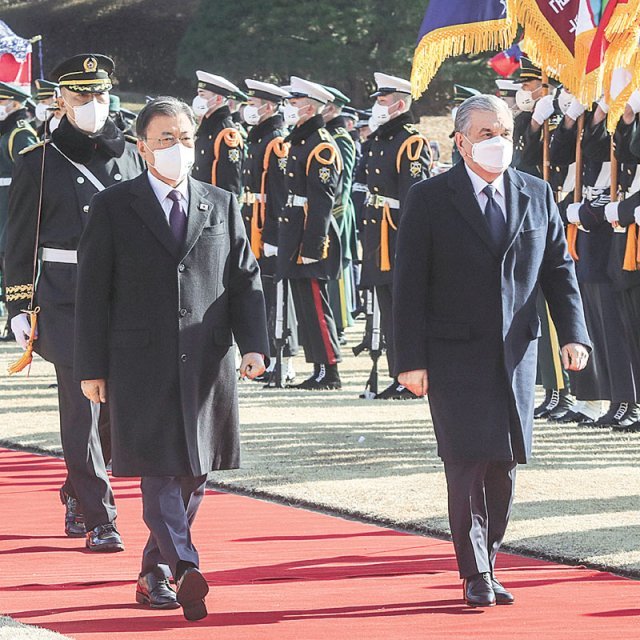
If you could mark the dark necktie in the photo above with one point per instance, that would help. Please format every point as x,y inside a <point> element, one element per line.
<point>494,217</point>
<point>177,218</point>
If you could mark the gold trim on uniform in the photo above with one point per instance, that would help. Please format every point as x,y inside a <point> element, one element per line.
<point>19,292</point>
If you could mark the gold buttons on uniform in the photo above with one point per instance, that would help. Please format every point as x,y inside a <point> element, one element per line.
<point>377,170</point>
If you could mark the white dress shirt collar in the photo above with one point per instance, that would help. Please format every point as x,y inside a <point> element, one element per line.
<point>479,183</point>
<point>162,190</point>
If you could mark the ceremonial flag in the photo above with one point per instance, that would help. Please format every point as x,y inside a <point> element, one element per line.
<point>506,62</point>
<point>15,58</point>
<point>455,27</point>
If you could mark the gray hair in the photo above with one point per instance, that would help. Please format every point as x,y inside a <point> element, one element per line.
<point>482,102</point>
<point>161,106</point>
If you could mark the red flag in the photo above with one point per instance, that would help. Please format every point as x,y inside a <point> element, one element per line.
<point>15,57</point>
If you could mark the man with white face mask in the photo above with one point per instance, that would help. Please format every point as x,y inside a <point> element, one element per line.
<point>166,281</point>
<point>46,95</point>
<point>398,158</point>
<point>85,154</point>
<point>474,245</point>
<point>15,134</point>
<point>219,144</point>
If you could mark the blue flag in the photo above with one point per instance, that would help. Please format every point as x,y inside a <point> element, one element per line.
<point>455,27</point>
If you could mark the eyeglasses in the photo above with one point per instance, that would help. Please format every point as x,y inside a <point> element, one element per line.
<point>168,141</point>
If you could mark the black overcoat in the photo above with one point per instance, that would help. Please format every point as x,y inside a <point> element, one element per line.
<point>156,320</point>
<point>466,311</point>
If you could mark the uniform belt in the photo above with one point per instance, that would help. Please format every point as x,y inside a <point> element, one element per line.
<point>592,193</point>
<point>67,256</point>
<point>296,201</point>
<point>359,187</point>
<point>619,229</point>
<point>249,198</point>
<point>5,182</point>
<point>377,202</point>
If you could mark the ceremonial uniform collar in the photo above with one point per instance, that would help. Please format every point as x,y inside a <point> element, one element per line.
<point>81,147</point>
<point>336,123</point>
<point>298,134</point>
<point>260,130</point>
<point>394,125</point>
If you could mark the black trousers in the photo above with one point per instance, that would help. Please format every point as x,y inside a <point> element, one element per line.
<point>87,478</point>
<point>169,507</point>
<point>316,325</point>
<point>385,302</point>
<point>270,289</point>
<point>480,498</point>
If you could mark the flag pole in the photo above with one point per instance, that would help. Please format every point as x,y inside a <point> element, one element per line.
<point>546,168</point>
<point>614,171</point>
<point>577,191</point>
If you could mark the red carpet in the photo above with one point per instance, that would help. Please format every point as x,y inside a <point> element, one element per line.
<point>281,573</point>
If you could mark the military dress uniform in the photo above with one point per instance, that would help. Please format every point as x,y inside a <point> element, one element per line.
<point>263,200</point>
<point>15,134</point>
<point>397,159</point>
<point>611,373</point>
<point>73,161</point>
<point>308,230</point>
<point>219,143</point>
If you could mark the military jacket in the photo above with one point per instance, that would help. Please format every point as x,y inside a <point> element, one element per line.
<point>527,145</point>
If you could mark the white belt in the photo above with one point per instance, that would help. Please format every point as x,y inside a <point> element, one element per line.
<point>376,201</point>
<point>592,193</point>
<point>67,256</point>
<point>619,229</point>
<point>296,201</point>
<point>5,182</point>
<point>249,198</point>
<point>359,187</point>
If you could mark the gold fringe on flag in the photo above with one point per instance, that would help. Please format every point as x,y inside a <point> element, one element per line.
<point>456,40</point>
<point>625,17</point>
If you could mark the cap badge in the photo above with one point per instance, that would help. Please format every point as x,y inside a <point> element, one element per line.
<point>90,65</point>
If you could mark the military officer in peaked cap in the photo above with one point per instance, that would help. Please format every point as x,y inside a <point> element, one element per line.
<point>15,134</point>
<point>399,157</point>
<point>86,153</point>
<point>46,95</point>
<point>263,199</point>
<point>309,252</point>
<point>219,144</point>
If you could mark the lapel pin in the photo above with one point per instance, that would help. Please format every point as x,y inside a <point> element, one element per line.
<point>203,207</point>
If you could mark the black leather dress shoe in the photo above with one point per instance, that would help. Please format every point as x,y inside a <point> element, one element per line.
<point>192,589</point>
<point>478,591</point>
<point>326,378</point>
<point>104,539</point>
<point>502,595</point>
<point>154,591</point>
<point>73,516</point>
<point>396,391</point>
<point>542,410</point>
<point>616,413</point>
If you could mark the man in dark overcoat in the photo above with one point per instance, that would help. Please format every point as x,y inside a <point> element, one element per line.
<point>474,246</point>
<point>166,280</point>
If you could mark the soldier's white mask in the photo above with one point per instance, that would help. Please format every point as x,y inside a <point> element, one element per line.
<point>380,113</point>
<point>173,163</point>
<point>372,124</point>
<point>251,114</point>
<point>291,115</point>
<point>493,155</point>
<point>200,105</point>
<point>53,124</point>
<point>4,112</point>
<point>91,117</point>
<point>525,100</point>
<point>42,111</point>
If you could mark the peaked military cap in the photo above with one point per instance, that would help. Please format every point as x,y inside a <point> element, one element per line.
<point>85,73</point>
<point>350,112</point>
<point>45,89</point>
<point>217,84</point>
<point>528,71</point>
<point>507,88</point>
<point>10,92</point>
<point>265,90</point>
<point>339,99</point>
<point>390,84</point>
<point>301,88</point>
<point>460,93</point>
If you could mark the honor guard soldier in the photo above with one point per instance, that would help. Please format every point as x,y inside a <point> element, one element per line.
<point>263,199</point>
<point>460,94</point>
<point>15,134</point>
<point>237,103</point>
<point>53,184</point>
<point>342,292</point>
<point>219,144</point>
<point>535,109</point>
<point>399,157</point>
<point>45,95</point>
<point>309,252</point>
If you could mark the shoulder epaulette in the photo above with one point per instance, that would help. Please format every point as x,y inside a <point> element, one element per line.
<point>411,128</point>
<point>32,147</point>
<point>325,135</point>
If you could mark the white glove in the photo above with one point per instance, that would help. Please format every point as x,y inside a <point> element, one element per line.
<point>636,215</point>
<point>603,105</point>
<point>634,101</point>
<point>543,109</point>
<point>269,250</point>
<point>573,212</point>
<point>21,328</point>
<point>575,109</point>
<point>308,260</point>
<point>611,212</point>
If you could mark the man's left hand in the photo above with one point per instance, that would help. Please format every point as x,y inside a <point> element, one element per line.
<point>574,356</point>
<point>252,365</point>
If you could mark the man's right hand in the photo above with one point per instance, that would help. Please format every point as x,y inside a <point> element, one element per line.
<point>95,390</point>
<point>416,381</point>
<point>21,328</point>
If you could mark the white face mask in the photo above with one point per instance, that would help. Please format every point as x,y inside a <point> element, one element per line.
<point>251,114</point>
<point>493,155</point>
<point>291,115</point>
<point>91,117</point>
<point>53,124</point>
<point>380,113</point>
<point>4,112</point>
<point>200,105</point>
<point>42,111</point>
<point>175,162</point>
<point>525,100</point>
<point>373,125</point>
